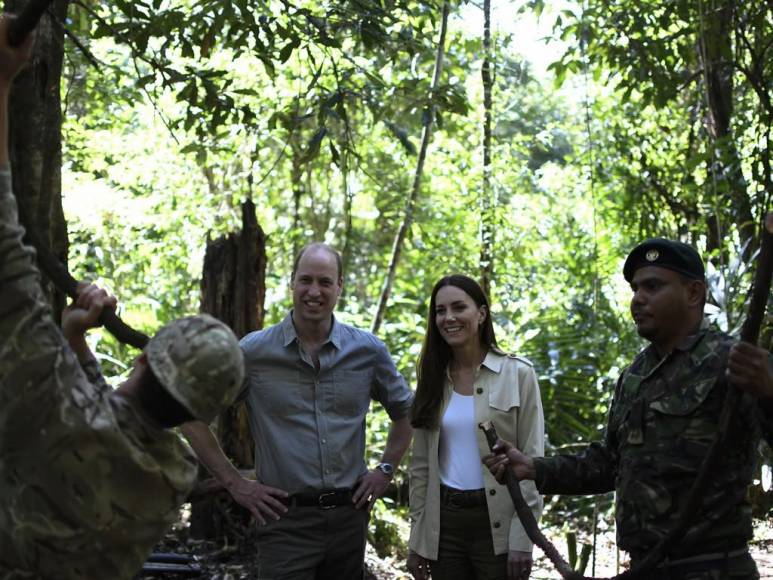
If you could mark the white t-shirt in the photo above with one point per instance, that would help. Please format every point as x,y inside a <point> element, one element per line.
<point>459,458</point>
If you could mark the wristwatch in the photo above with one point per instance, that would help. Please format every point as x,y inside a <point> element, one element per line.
<point>387,469</point>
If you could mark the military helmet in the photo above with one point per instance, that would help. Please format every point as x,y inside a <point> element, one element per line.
<point>197,359</point>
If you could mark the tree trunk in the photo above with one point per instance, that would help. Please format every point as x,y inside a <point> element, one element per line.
<point>346,248</point>
<point>233,290</point>
<point>715,47</point>
<point>36,140</point>
<point>486,198</point>
<point>296,179</point>
<point>429,118</point>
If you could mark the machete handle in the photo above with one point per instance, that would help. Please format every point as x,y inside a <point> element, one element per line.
<point>491,434</point>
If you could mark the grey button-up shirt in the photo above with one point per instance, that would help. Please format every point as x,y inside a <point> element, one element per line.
<point>309,425</point>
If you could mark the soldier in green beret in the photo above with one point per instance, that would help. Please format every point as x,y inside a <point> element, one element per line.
<point>90,477</point>
<point>662,421</point>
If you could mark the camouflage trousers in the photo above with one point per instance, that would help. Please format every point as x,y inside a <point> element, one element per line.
<point>740,567</point>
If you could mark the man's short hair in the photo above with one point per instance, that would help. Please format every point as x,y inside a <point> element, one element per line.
<point>320,246</point>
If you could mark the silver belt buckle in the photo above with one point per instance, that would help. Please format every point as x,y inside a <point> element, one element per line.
<point>321,501</point>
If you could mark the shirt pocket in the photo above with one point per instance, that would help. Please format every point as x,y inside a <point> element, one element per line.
<point>685,401</point>
<point>504,397</point>
<point>282,392</point>
<point>684,422</point>
<point>352,392</point>
<point>504,406</point>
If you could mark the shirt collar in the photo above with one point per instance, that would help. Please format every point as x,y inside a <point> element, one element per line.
<point>289,334</point>
<point>690,341</point>
<point>686,345</point>
<point>335,334</point>
<point>493,361</point>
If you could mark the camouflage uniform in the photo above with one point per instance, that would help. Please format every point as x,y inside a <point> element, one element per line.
<point>87,485</point>
<point>663,418</point>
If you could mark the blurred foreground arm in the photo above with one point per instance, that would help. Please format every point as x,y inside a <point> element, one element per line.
<point>263,501</point>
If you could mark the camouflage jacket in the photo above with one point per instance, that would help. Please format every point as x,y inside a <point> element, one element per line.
<point>87,485</point>
<point>663,418</point>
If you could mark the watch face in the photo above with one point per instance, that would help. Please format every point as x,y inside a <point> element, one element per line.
<point>386,468</point>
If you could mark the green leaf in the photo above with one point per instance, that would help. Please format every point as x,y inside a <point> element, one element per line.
<point>312,148</point>
<point>334,154</point>
<point>402,136</point>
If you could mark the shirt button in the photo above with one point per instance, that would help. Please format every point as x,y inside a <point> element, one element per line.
<point>480,390</point>
<point>497,524</point>
<point>492,492</point>
<point>325,441</point>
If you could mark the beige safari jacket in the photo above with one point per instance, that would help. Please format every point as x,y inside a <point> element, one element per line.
<point>506,393</point>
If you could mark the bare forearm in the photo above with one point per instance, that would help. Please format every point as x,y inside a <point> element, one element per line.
<point>209,452</point>
<point>80,347</point>
<point>398,440</point>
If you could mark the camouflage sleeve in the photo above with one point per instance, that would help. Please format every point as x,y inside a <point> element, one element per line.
<point>93,372</point>
<point>591,471</point>
<point>33,353</point>
<point>19,278</point>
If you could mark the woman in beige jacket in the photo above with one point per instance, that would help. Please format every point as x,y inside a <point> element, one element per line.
<point>463,525</point>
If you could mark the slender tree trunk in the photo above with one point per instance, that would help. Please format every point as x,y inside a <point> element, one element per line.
<point>429,118</point>
<point>753,57</point>
<point>346,249</point>
<point>296,179</point>
<point>233,290</point>
<point>487,201</point>
<point>321,209</point>
<point>715,47</point>
<point>35,112</point>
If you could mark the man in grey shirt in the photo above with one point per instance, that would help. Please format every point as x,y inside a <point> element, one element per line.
<point>309,383</point>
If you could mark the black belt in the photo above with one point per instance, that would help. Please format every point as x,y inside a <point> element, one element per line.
<point>461,498</point>
<point>324,500</point>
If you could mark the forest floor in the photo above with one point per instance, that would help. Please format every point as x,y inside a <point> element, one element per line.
<point>237,560</point>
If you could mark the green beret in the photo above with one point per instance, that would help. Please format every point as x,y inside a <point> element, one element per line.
<point>663,253</point>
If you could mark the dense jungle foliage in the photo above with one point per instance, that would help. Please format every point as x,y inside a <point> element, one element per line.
<point>654,120</point>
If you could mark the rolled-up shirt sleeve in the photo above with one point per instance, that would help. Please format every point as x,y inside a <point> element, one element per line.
<point>389,387</point>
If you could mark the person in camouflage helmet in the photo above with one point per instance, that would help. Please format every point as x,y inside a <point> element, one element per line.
<point>90,477</point>
<point>662,421</point>
<point>198,361</point>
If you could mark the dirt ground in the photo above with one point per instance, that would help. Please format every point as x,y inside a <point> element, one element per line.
<point>236,560</point>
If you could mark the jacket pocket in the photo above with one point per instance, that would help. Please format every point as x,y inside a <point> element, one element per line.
<point>686,401</point>
<point>504,397</point>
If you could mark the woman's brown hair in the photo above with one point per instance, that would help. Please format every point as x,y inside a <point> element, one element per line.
<point>436,354</point>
